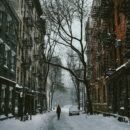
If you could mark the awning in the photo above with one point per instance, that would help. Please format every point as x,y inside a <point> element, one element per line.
<point>122,66</point>
<point>118,71</point>
<point>18,86</point>
<point>7,79</point>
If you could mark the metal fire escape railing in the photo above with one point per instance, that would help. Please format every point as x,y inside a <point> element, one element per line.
<point>26,61</point>
<point>28,21</point>
<point>29,2</point>
<point>126,9</point>
<point>36,55</point>
<point>101,8</point>
<point>95,11</point>
<point>41,25</point>
<point>27,43</point>
<point>128,35</point>
<point>105,8</point>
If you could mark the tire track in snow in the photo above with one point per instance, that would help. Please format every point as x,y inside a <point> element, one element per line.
<point>61,124</point>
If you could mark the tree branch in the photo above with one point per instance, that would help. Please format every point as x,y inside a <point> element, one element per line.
<point>65,68</point>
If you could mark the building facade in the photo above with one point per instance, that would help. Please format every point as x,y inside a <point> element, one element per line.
<point>30,87</point>
<point>9,23</point>
<point>107,36</point>
<point>22,71</point>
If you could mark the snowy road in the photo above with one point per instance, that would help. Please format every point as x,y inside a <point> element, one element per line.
<point>61,124</point>
<point>83,122</point>
<point>48,121</point>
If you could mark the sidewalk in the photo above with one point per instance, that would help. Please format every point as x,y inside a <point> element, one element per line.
<point>38,122</point>
<point>3,117</point>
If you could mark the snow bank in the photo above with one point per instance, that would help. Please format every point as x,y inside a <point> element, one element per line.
<point>81,122</point>
<point>37,123</point>
<point>96,122</point>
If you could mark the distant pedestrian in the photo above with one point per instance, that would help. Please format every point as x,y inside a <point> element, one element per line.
<point>58,111</point>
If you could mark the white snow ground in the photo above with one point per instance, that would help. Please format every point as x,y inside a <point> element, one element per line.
<point>37,123</point>
<point>81,122</point>
<point>96,122</point>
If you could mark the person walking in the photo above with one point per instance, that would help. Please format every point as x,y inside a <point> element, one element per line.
<point>58,111</point>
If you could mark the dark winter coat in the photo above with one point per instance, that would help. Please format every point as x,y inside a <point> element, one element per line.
<point>58,109</point>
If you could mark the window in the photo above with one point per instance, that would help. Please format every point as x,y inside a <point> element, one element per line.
<point>22,6</point>
<point>13,60</point>
<point>98,94</point>
<point>9,58</point>
<point>3,18</point>
<point>2,54</point>
<point>8,24</point>
<point>97,3</point>
<point>21,77</point>
<point>7,48</point>
<point>104,94</point>
<point>11,92</point>
<point>0,19</point>
<point>3,91</point>
<point>17,75</point>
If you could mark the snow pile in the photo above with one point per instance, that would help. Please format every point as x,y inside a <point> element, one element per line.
<point>96,122</point>
<point>38,122</point>
<point>48,121</point>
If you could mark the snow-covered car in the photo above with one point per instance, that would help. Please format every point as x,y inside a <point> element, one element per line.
<point>73,110</point>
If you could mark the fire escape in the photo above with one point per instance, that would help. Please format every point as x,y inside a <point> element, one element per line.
<point>28,21</point>
<point>30,3</point>
<point>41,25</point>
<point>26,61</point>
<point>95,9</point>
<point>105,9</point>
<point>27,42</point>
<point>107,37</point>
<point>126,10</point>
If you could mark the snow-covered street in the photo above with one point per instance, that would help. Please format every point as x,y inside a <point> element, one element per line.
<point>48,121</point>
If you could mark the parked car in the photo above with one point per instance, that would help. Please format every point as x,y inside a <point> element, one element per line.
<point>73,110</point>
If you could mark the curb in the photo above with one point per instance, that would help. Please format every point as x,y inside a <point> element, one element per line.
<point>4,118</point>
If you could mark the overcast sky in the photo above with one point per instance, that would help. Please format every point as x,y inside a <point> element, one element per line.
<point>62,50</point>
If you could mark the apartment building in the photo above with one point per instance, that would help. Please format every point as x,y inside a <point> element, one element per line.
<point>9,23</point>
<point>30,88</point>
<point>22,71</point>
<point>107,36</point>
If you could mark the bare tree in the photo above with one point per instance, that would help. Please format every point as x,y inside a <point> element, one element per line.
<point>62,14</point>
<point>56,79</point>
<point>47,51</point>
<point>74,64</point>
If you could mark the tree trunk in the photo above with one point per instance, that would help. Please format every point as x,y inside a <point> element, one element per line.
<point>51,100</point>
<point>78,95</point>
<point>45,83</point>
<point>89,101</point>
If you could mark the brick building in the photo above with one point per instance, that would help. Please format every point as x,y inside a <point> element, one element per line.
<point>107,36</point>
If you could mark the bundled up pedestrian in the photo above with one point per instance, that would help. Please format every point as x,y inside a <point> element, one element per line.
<point>58,111</point>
